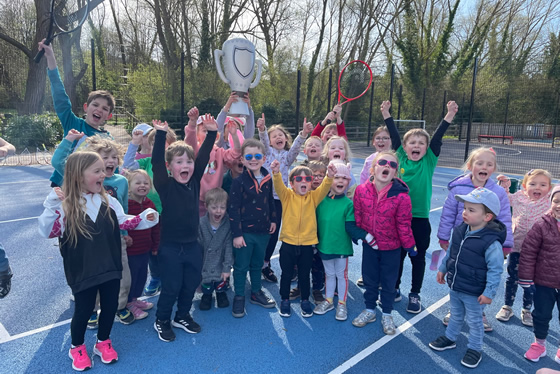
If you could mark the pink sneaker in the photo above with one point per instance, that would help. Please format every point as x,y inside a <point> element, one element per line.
<point>557,357</point>
<point>535,352</point>
<point>106,352</point>
<point>137,312</point>
<point>141,304</point>
<point>80,358</point>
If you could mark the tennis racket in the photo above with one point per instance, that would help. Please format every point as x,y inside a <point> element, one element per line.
<point>66,16</point>
<point>354,81</point>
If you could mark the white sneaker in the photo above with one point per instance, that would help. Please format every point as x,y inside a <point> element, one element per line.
<point>389,327</point>
<point>364,318</point>
<point>323,307</point>
<point>341,312</point>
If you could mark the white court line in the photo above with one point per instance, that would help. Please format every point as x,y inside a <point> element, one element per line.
<point>433,210</point>
<point>19,219</point>
<point>32,332</point>
<point>4,334</point>
<point>387,338</point>
<point>33,181</point>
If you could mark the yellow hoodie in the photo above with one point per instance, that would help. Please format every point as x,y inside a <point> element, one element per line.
<point>299,222</point>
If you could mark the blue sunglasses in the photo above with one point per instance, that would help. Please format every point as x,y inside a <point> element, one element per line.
<point>257,156</point>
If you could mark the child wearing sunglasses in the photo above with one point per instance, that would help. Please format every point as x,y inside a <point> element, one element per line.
<point>383,210</point>
<point>252,215</point>
<point>299,230</point>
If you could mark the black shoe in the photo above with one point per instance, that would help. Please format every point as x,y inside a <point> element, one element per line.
<point>442,343</point>
<point>472,358</point>
<point>163,328</point>
<point>318,296</point>
<point>5,283</point>
<point>187,324</point>
<point>221,298</point>
<point>306,309</point>
<point>238,309</point>
<point>295,293</point>
<point>206,302</point>
<point>260,298</point>
<point>268,275</point>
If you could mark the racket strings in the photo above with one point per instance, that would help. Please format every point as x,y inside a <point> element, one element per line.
<point>67,14</point>
<point>354,80</point>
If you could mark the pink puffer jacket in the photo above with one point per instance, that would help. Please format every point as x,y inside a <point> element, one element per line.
<point>389,219</point>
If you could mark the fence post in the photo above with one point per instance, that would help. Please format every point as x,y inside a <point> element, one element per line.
<point>183,89</point>
<point>297,99</point>
<point>555,119</point>
<point>462,116</point>
<point>505,119</point>
<point>391,87</point>
<point>423,104</point>
<point>370,113</point>
<point>469,125</point>
<point>330,91</point>
<point>93,77</point>
<point>444,104</point>
<point>400,102</point>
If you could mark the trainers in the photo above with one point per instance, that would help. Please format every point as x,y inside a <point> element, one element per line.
<point>535,352</point>
<point>295,293</point>
<point>318,296</point>
<point>471,359</point>
<point>285,309</point>
<point>487,326</point>
<point>398,296</point>
<point>80,358</point>
<point>93,321</point>
<point>163,328</point>
<point>153,288</point>
<point>206,302</point>
<point>136,312</point>
<point>341,312</point>
<point>125,317</point>
<point>306,308</point>
<point>360,282</point>
<point>5,283</point>
<point>294,278</point>
<point>505,314</point>
<point>389,327</point>
<point>188,324</point>
<point>144,305</point>
<point>557,357</point>
<point>238,308</point>
<point>414,305</point>
<point>260,298</point>
<point>442,343</point>
<point>526,317</point>
<point>105,352</point>
<point>364,318</point>
<point>446,319</point>
<point>268,275</point>
<point>323,307</point>
<point>222,300</point>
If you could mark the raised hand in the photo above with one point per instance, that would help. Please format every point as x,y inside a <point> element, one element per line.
<point>385,106</point>
<point>452,109</point>
<point>74,135</point>
<point>337,109</point>
<point>231,99</point>
<point>261,123</point>
<point>329,117</point>
<point>48,48</point>
<point>137,136</point>
<point>209,122</point>
<point>247,99</point>
<point>331,170</point>
<point>504,181</point>
<point>275,167</point>
<point>193,114</point>
<point>307,128</point>
<point>160,126</point>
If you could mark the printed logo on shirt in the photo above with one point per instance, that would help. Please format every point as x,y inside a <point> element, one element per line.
<point>112,191</point>
<point>402,171</point>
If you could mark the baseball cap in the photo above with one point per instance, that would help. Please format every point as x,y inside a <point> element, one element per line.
<point>144,127</point>
<point>482,196</point>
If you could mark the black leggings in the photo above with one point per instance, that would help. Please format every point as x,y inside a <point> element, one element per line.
<point>274,237</point>
<point>85,304</point>
<point>421,230</point>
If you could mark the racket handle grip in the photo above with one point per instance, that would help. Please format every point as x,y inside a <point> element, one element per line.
<point>329,122</point>
<point>40,54</point>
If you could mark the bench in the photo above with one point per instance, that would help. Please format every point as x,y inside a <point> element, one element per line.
<point>496,137</point>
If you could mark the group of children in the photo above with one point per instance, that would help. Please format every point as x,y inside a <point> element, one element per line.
<point>222,199</point>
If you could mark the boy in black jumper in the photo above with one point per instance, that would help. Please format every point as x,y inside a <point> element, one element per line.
<point>179,254</point>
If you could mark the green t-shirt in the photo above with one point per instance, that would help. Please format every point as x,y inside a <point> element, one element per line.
<point>418,177</point>
<point>146,164</point>
<point>331,217</point>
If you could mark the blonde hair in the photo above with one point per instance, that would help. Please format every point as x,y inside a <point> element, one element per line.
<point>416,132</point>
<point>380,155</point>
<point>467,166</point>
<point>329,127</point>
<point>215,196</point>
<point>314,137</point>
<point>325,153</point>
<point>379,130</point>
<point>170,136</point>
<point>101,145</point>
<point>74,204</point>
<point>131,174</point>
<point>178,148</point>
<point>317,166</point>
<point>288,144</point>
<point>533,173</point>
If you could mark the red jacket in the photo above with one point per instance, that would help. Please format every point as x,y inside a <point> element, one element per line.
<point>387,220</point>
<point>142,240</point>
<point>540,253</point>
<point>340,129</point>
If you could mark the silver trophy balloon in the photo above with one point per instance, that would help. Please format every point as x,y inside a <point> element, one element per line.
<point>239,63</point>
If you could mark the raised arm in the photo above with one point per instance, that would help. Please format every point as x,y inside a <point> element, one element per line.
<point>388,119</point>
<point>203,155</point>
<point>161,176</point>
<point>298,142</point>
<point>436,142</point>
<point>128,161</point>
<point>263,135</point>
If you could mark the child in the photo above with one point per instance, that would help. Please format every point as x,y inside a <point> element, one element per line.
<point>5,274</point>
<point>299,231</point>
<point>538,269</point>
<point>335,219</point>
<point>116,186</point>
<point>252,215</point>
<point>382,142</point>
<point>337,149</point>
<point>143,242</point>
<point>331,125</point>
<point>480,166</point>
<point>214,234</point>
<point>528,206</point>
<point>235,168</point>
<point>473,267</point>
<point>98,108</point>
<point>223,119</point>
<point>418,162</point>
<point>312,149</point>
<point>145,149</point>
<point>88,220</point>
<point>319,171</point>
<point>382,209</point>
<point>214,172</point>
<point>177,175</point>
<point>278,146</point>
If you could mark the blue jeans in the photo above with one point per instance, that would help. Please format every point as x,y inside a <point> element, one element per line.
<point>511,283</point>
<point>466,306</point>
<point>4,264</point>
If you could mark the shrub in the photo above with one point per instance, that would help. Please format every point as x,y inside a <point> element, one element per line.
<point>34,131</point>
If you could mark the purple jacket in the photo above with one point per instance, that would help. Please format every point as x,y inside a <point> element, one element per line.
<point>452,213</point>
